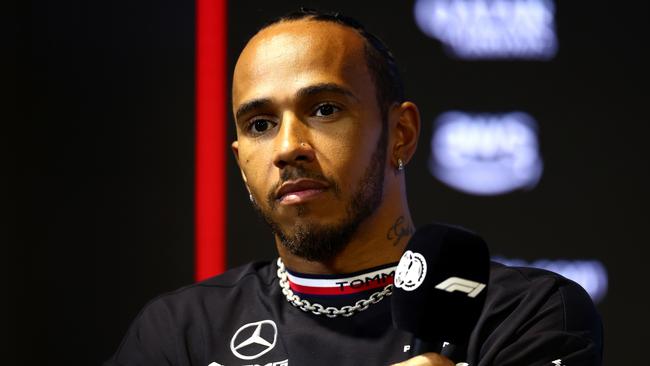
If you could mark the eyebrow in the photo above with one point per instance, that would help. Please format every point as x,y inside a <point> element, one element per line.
<point>325,88</point>
<point>251,105</point>
<point>301,93</point>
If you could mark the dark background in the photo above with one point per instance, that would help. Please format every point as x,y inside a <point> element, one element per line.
<point>105,171</point>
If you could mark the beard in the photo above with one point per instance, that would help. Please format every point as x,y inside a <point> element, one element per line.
<point>317,242</point>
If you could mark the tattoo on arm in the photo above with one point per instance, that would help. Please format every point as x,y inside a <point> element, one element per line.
<point>398,231</point>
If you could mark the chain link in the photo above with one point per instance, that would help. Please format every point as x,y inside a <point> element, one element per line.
<point>329,311</point>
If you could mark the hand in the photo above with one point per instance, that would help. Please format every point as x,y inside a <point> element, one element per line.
<point>427,359</point>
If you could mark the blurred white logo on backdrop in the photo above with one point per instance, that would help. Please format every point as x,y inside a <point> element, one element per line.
<point>486,154</point>
<point>491,29</point>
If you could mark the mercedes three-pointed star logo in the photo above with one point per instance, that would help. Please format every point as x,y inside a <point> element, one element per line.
<point>239,345</point>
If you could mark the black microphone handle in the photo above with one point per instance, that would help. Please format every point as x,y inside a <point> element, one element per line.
<point>421,346</point>
<point>453,352</point>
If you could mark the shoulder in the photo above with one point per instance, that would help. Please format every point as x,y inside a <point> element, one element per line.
<point>529,311</point>
<point>184,316</point>
<point>528,286</point>
<point>509,278</point>
<point>261,271</point>
<point>169,313</point>
<point>217,291</point>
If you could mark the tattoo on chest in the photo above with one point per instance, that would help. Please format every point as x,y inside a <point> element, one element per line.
<point>398,231</point>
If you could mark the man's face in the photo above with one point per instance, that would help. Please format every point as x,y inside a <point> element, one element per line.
<point>310,140</point>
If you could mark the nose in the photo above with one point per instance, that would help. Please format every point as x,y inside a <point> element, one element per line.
<point>293,143</point>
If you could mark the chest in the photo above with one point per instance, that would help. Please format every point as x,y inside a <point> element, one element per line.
<point>271,336</point>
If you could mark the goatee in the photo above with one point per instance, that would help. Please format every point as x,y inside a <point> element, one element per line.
<point>321,243</point>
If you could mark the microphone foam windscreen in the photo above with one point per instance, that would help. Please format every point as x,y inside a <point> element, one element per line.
<point>441,283</point>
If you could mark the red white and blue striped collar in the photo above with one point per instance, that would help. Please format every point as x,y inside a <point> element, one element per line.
<point>370,279</point>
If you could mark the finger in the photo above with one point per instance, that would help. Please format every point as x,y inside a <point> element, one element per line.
<point>427,359</point>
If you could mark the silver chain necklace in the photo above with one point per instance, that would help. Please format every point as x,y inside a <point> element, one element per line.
<point>330,311</point>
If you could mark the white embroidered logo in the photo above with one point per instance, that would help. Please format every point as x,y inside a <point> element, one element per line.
<point>254,339</point>
<point>411,271</point>
<point>451,284</point>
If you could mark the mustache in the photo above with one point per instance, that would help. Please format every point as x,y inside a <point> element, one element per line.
<point>298,172</point>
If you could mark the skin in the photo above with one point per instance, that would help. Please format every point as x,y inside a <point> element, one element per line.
<point>427,359</point>
<point>303,96</point>
<point>300,55</point>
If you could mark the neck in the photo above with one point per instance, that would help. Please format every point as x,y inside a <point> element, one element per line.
<point>379,240</point>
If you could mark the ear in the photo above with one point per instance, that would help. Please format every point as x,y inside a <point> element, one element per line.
<point>407,132</point>
<point>235,150</point>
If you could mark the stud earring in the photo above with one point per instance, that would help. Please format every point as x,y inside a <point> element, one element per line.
<point>400,164</point>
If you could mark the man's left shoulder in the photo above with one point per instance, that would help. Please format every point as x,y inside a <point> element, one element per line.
<point>537,298</point>
<point>537,282</point>
<point>533,316</point>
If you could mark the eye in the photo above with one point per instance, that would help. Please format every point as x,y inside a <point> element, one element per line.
<point>259,126</point>
<point>326,109</point>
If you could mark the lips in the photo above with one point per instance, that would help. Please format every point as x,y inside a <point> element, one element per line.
<point>300,190</point>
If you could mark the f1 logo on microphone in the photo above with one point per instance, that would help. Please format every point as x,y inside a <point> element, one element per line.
<point>451,284</point>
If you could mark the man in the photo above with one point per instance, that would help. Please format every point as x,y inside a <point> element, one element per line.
<point>323,138</point>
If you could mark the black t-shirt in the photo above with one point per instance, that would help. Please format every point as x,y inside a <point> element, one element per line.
<point>531,317</point>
